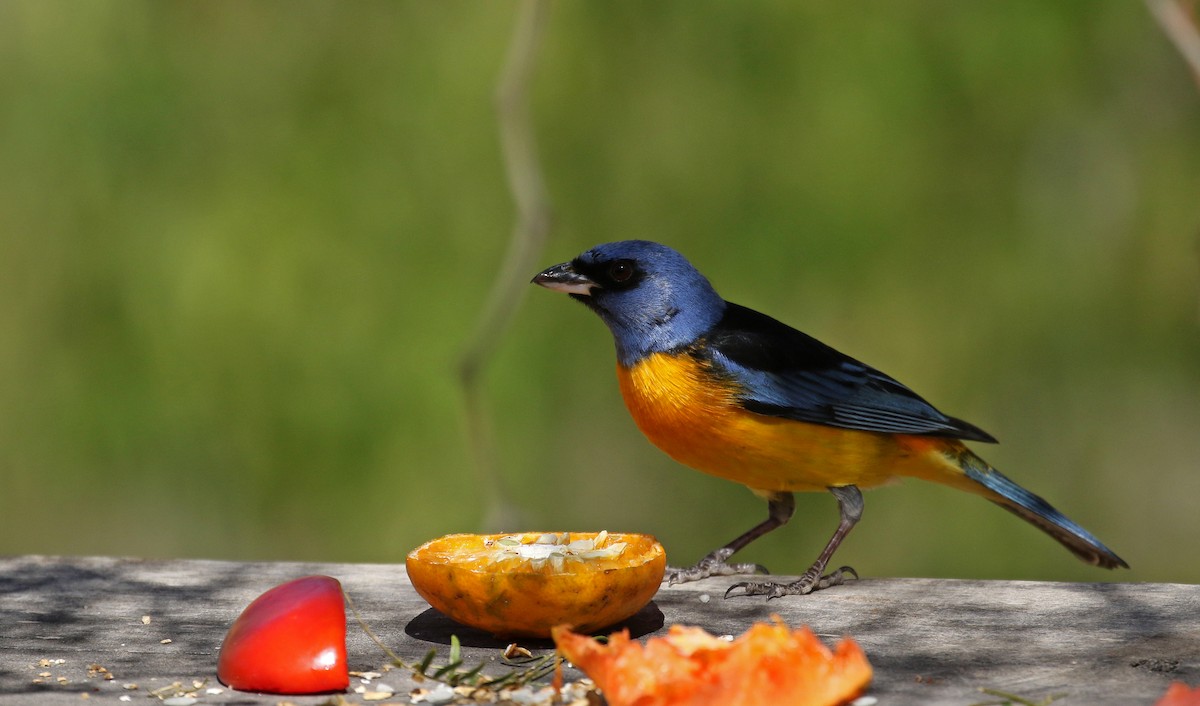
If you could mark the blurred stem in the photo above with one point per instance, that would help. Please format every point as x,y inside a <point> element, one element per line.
<point>1179,23</point>
<point>528,236</point>
<point>1180,27</point>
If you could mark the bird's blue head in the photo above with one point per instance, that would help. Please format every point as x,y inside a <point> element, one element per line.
<point>649,295</point>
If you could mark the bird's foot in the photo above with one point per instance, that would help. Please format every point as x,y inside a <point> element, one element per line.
<point>812,580</point>
<point>712,565</point>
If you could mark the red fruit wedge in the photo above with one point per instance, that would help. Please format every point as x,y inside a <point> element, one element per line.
<point>290,640</point>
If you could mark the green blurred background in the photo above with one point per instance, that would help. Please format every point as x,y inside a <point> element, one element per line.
<point>242,245</point>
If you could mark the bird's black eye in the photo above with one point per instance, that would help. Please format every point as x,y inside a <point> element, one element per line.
<point>620,271</point>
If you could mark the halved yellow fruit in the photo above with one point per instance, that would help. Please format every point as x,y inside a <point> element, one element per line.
<point>521,585</point>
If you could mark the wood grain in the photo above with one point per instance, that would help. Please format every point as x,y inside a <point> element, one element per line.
<point>931,641</point>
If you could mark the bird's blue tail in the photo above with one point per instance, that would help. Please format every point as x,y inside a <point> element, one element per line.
<point>1037,511</point>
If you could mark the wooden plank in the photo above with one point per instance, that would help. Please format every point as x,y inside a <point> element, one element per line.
<point>931,641</point>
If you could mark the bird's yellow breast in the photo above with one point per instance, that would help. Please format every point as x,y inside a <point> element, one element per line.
<point>693,415</point>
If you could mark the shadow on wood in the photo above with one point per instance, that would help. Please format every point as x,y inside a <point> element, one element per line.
<point>435,627</point>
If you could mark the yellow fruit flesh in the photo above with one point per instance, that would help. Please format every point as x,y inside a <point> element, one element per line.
<point>510,589</point>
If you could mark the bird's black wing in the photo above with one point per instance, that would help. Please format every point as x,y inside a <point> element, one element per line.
<point>783,372</point>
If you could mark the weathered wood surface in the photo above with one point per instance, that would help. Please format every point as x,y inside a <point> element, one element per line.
<point>931,641</point>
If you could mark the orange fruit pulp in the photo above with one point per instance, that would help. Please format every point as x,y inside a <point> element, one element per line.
<point>521,585</point>
<point>768,664</point>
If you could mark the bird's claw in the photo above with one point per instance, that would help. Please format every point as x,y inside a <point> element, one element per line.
<point>812,580</point>
<point>713,565</point>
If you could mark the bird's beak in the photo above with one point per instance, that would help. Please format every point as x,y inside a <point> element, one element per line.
<point>564,278</point>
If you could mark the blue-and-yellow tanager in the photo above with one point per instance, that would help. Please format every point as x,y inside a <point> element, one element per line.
<point>736,394</point>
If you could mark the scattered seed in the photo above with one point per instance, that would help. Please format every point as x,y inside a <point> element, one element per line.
<point>514,650</point>
<point>440,694</point>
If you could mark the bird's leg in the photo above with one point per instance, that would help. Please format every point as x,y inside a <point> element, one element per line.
<point>780,507</point>
<point>850,506</point>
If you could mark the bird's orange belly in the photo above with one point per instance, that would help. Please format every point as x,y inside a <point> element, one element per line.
<point>694,417</point>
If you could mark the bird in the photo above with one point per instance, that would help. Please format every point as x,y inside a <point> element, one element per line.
<point>734,393</point>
